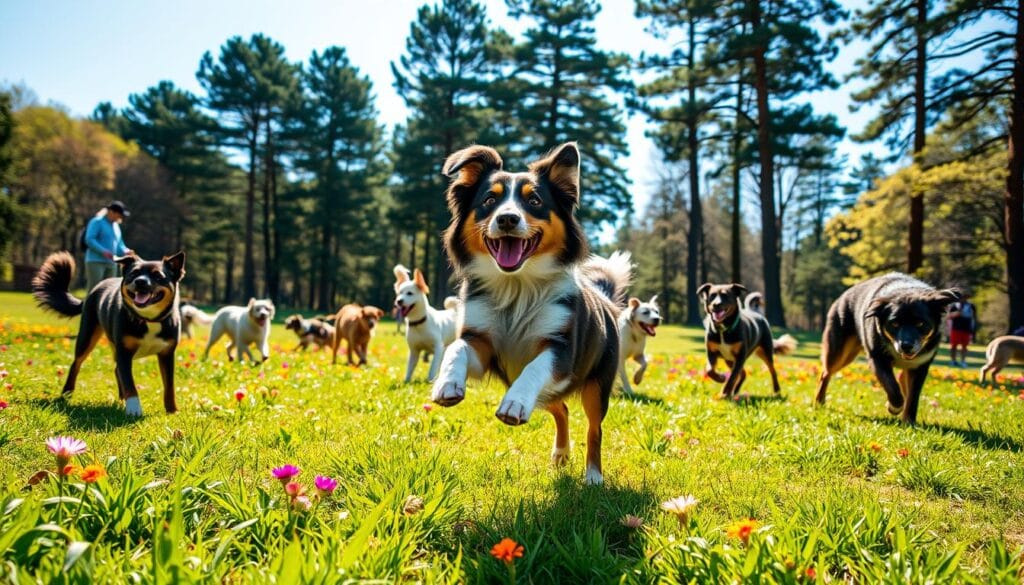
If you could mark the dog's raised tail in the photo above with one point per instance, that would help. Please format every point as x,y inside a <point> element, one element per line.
<point>401,271</point>
<point>197,315</point>
<point>51,285</point>
<point>452,303</point>
<point>785,344</point>
<point>612,275</point>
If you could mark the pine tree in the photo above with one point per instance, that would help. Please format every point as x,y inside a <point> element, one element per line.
<point>338,144</point>
<point>567,93</point>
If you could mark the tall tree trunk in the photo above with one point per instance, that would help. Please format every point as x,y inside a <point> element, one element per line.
<point>229,274</point>
<point>696,233</point>
<point>737,145</point>
<point>248,254</point>
<point>666,262</point>
<point>274,275</point>
<point>769,235</point>
<point>1014,205</point>
<point>915,243</point>
<point>325,273</point>
<point>268,171</point>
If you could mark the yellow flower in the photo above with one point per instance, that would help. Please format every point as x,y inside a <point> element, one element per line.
<point>742,529</point>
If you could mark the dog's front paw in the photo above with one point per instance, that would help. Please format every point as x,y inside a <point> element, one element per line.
<point>132,407</point>
<point>638,377</point>
<point>593,476</point>
<point>448,394</point>
<point>717,377</point>
<point>559,456</point>
<point>892,408</point>
<point>512,412</point>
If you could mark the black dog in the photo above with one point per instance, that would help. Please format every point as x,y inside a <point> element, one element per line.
<point>138,313</point>
<point>734,333</point>
<point>895,319</point>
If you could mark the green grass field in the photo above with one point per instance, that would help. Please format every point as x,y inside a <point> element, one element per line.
<point>837,494</point>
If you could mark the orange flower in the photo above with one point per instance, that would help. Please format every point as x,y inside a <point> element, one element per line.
<point>875,447</point>
<point>507,550</point>
<point>904,452</point>
<point>742,529</point>
<point>69,469</point>
<point>93,473</point>
<point>810,573</point>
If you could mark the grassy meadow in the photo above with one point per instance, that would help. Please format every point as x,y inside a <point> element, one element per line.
<point>786,493</point>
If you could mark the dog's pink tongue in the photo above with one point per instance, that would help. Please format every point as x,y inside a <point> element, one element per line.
<point>510,252</point>
<point>141,298</point>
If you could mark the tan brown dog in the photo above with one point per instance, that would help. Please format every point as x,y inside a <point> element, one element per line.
<point>1000,352</point>
<point>355,324</point>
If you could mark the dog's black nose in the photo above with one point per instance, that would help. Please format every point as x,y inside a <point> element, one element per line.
<point>906,347</point>
<point>657,321</point>
<point>507,221</point>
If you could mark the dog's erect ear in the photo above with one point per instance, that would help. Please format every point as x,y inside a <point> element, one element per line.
<point>176,264</point>
<point>421,283</point>
<point>126,261</point>
<point>401,274</point>
<point>879,309</point>
<point>634,302</point>
<point>252,301</point>
<point>940,299</point>
<point>739,290</point>
<point>561,170</point>
<point>653,301</point>
<point>466,168</point>
<point>702,292</point>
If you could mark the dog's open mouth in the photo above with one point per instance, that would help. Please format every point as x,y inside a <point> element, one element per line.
<point>510,252</point>
<point>404,310</point>
<point>648,329</point>
<point>908,356</point>
<point>143,299</point>
<point>719,315</point>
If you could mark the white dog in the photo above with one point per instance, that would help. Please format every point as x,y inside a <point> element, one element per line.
<point>244,326</point>
<point>191,314</point>
<point>427,330</point>
<point>637,321</point>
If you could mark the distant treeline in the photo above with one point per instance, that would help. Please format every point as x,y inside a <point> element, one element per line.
<point>280,181</point>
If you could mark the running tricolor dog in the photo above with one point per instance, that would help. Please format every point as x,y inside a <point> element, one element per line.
<point>539,314</point>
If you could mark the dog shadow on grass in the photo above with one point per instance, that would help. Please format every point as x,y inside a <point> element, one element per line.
<point>573,532</point>
<point>970,436</point>
<point>640,398</point>
<point>88,416</point>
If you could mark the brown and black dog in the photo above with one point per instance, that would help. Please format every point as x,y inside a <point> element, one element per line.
<point>895,320</point>
<point>137,312</point>
<point>539,312</point>
<point>310,331</point>
<point>355,324</point>
<point>734,333</point>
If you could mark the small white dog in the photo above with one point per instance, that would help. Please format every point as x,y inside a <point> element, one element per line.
<point>190,315</point>
<point>637,321</point>
<point>244,326</point>
<point>427,330</point>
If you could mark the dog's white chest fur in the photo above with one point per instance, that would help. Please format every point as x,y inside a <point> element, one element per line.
<point>151,343</point>
<point>516,328</point>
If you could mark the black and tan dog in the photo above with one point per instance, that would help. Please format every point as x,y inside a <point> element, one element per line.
<point>137,312</point>
<point>895,320</point>
<point>539,314</point>
<point>733,333</point>
<point>316,331</point>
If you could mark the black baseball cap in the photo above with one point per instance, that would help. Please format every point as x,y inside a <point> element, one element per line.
<point>119,207</point>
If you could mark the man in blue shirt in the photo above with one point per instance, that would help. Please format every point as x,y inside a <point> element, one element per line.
<point>103,242</point>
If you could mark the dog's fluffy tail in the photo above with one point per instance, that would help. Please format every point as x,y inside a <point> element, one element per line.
<point>452,303</point>
<point>400,271</point>
<point>51,285</point>
<point>611,275</point>
<point>754,302</point>
<point>785,344</point>
<point>196,314</point>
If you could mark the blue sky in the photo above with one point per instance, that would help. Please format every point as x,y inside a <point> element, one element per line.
<point>79,53</point>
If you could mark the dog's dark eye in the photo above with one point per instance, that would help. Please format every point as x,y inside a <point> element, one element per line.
<point>490,201</point>
<point>921,325</point>
<point>534,201</point>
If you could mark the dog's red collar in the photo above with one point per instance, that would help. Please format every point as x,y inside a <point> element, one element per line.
<point>417,322</point>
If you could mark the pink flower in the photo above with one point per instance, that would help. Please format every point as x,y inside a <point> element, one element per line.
<point>3,374</point>
<point>3,404</point>
<point>284,365</point>
<point>325,485</point>
<point>294,489</point>
<point>64,448</point>
<point>301,503</point>
<point>285,473</point>
<point>428,407</point>
<point>239,395</point>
